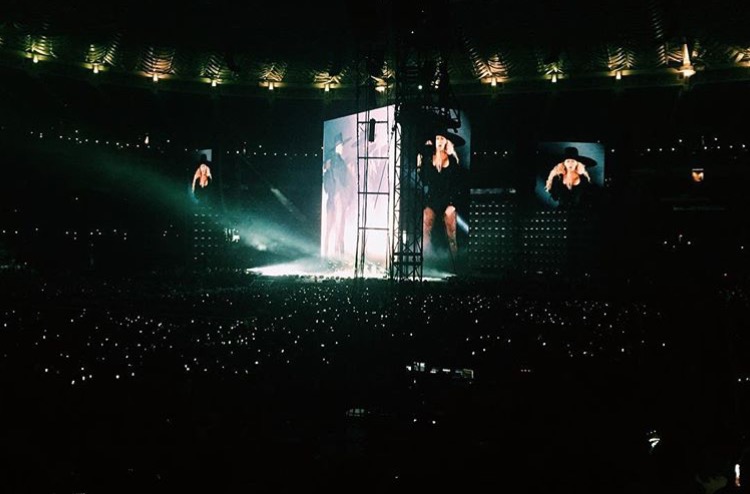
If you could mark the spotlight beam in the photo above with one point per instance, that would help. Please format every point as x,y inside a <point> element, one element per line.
<point>283,200</point>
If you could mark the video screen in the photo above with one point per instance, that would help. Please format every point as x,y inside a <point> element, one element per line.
<point>569,174</point>
<point>357,186</point>
<point>200,189</point>
<point>443,163</point>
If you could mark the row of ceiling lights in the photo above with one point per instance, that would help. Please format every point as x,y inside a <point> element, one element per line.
<point>686,69</point>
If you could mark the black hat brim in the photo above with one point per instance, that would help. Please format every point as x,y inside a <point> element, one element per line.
<point>331,148</point>
<point>456,139</point>
<point>585,160</point>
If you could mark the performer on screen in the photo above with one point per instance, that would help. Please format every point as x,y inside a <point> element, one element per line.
<point>569,179</point>
<point>202,177</point>
<point>339,184</point>
<point>439,167</point>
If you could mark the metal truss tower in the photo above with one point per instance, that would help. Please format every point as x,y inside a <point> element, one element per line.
<point>422,97</point>
<point>423,101</point>
<point>373,175</point>
<point>373,187</point>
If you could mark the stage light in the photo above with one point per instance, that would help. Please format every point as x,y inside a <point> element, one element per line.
<point>554,77</point>
<point>371,130</point>
<point>653,440</point>
<point>327,88</point>
<point>155,77</point>
<point>214,83</point>
<point>618,75</point>
<point>35,58</point>
<point>686,68</point>
<point>95,68</point>
<point>270,86</point>
<point>493,82</point>
<point>687,71</point>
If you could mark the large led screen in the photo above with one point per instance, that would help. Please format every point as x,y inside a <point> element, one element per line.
<point>200,187</point>
<point>443,164</point>
<point>569,174</point>
<point>357,183</point>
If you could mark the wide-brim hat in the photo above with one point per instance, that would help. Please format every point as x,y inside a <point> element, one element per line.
<point>456,139</point>
<point>337,139</point>
<point>571,152</point>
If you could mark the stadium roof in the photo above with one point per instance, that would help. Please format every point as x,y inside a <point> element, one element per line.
<point>309,48</point>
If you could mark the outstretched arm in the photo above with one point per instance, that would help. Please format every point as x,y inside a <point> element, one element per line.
<point>556,170</point>
<point>451,150</point>
<point>581,169</point>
